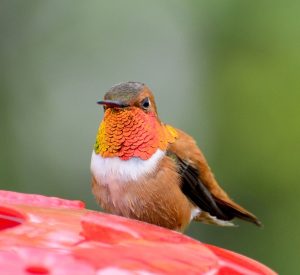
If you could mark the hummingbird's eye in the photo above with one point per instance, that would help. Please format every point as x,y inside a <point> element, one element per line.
<point>145,103</point>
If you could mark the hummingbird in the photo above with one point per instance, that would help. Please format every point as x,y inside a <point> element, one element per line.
<point>150,171</point>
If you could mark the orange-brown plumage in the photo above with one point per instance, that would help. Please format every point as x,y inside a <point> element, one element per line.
<point>147,170</point>
<point>185,147</point>
<point>149,200</point>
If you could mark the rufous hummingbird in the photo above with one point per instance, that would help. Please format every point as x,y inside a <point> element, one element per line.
<point>147,170</point>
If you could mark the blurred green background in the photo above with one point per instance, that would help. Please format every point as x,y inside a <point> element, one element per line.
<point>226,72</point>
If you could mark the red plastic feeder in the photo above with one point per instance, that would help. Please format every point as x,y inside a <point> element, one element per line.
<point>43,235</point>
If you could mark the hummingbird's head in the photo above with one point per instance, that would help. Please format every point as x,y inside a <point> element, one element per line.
<point>131,127</point>
<point>130,95</point>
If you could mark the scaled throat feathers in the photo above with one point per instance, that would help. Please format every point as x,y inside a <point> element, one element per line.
<point>130,132</point>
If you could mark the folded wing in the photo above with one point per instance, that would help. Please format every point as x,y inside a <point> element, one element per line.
<point>199,184</point>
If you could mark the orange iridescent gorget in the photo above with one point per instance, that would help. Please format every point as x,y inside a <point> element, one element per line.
<point>130,132</point>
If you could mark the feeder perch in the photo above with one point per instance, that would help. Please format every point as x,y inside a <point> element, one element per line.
<point>46,235</point>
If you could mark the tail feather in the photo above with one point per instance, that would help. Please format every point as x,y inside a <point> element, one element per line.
<point>233,210</point>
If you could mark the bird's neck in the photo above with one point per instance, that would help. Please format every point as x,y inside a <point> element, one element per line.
<point>113,170</point>
<point>132,133</point>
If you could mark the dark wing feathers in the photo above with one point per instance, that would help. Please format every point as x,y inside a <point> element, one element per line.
<point>196,191</point>
<point>199,184</point>
<point>193,187</point>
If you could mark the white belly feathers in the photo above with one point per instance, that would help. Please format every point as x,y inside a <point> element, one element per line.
<point>113,168</point>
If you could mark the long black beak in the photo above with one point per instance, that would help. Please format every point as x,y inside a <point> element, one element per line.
<point>113,103</point>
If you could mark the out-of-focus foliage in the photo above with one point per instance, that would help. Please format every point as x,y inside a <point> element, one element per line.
<point>227,72</point>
